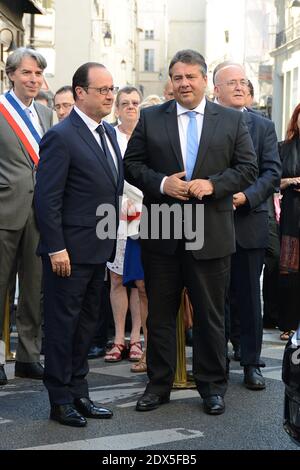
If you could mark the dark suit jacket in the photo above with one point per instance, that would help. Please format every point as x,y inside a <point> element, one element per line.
<point>17,174</point>
<point>73,179</point>
<point>251,221</point>
<point>226,156</point>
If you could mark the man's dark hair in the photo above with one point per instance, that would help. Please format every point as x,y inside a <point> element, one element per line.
<point>80,77</point>
<point>127,90</point>
<point>251,89</point>
<point>189,56</point>
<point>63,89</point>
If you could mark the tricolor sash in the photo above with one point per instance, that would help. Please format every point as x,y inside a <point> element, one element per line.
<point>21,125</point>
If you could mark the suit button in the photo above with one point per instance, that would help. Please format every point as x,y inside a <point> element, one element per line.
<point>30,191</point>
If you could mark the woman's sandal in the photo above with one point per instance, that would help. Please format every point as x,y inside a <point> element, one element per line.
<point>135,351</point>
<point>117,353</point>
<point>140,366</point>
<point>286,334</point>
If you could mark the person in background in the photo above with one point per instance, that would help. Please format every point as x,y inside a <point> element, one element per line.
<point>42,98</point>
<point>134,272</point>
<point>289,149</point>
<point>251,222</point>
<point>63,102</point>
<point>168,90</point>
<point>18,231</point>
<point>127,105</point>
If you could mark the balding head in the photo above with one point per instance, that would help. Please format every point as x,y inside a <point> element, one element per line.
<point>231,86</point>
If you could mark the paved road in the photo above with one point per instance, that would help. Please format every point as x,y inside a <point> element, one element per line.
<point>253,419</point>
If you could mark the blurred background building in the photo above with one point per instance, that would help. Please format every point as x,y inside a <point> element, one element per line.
<point>136,39</point>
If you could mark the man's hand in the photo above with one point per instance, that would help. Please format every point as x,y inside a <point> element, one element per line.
<point>199,188</point>
<point>239,199</point>
<point>175,187</point>
<point>61,264</point>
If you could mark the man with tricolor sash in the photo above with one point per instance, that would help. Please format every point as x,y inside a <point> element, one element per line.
<point>22,124</point>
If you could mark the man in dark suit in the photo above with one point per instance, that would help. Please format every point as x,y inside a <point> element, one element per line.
<point>80,172</point>
<point>251,221</point>
<point>18,231</point>
<point>164,160</point>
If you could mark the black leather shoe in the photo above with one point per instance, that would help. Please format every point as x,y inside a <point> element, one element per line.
<point>29,370</point>
<point>214,405</point>
<point>253,378</point>
<point>3,378</point>
<point>237,353</point>
<point>150,401</point>
<point>96,351</point>
<point>87,408</point>
<point>68,415</point>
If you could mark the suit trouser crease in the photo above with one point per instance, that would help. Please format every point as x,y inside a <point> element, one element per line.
<point>165,277</point>
<point>21,245</point>
<point>246,268</point>
<point>71,310</point>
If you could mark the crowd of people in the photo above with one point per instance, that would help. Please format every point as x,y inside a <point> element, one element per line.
<point>208,169</point>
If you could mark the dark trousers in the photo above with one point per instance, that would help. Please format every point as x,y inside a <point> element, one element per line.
<point>246,268</point>
<point>104,318</point>
<point>206,281</point>
<point>271,277</point>
<point>71,311</point>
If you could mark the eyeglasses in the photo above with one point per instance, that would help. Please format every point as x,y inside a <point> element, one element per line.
<point>233,83</point>
<point>104,90</point>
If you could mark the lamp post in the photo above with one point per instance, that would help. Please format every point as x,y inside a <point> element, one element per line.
<point>8,38</point>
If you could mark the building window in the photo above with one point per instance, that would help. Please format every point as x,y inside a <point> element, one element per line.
<point>149,34</point>
<point>149,60</point>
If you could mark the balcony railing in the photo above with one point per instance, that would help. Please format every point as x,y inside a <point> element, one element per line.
<point>287,35</point>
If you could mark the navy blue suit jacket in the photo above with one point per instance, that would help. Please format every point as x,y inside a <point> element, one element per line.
<point>73,179</point>
<point>251,220</point>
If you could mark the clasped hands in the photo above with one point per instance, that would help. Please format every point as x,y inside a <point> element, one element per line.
<point>175,187</point>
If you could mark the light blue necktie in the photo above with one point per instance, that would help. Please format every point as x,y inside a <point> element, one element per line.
<point>192,144</point>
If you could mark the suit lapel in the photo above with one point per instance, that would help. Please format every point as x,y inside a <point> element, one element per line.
<point>173,132</point>
<point>41,118</point>
<point>88,138</point>
<point>249,121</point>
<point>113,140</point>
<point>210,121</point>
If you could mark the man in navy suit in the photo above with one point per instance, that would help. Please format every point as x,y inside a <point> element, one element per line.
<point>251,220</point>
<point>80,171</point>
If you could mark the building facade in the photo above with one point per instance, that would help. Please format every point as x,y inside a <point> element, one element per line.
<point>286,54</point>
<point>12,29</point>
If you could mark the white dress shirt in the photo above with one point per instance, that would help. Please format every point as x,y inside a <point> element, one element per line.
<point>92,125</point>
<point>183,122</point>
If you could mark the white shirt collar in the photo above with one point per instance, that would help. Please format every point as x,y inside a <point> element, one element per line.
<point>23,106</point>
<point>92,125</point>
<point>199,109</point>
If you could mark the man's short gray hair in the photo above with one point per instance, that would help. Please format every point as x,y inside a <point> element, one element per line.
<point>14,60</point>
<point>189,56</point>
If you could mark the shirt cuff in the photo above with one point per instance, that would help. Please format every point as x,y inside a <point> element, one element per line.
<point>162,185</point>
<point>56,252</point>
